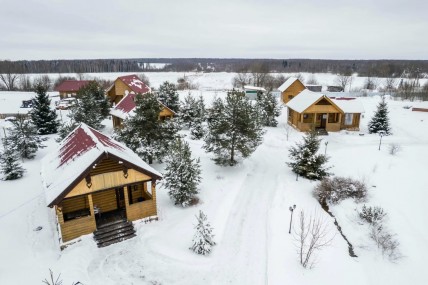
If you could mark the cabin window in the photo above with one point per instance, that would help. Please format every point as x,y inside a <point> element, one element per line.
<point>138,193</point>
<point>333,117</point>
<point>348,118</point>
<point>308,118</point>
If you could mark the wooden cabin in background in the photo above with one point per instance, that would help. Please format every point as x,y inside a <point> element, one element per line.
<point>290,89</point>
<point>122,95</point>
<point>312,110</point>
<point>69,88</point>
<point>96,184</point>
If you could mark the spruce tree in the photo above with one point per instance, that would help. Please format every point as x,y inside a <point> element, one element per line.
<point>23,138</point>
<point>203,240</point>
<point>10,166</point>
<point>197,130</point>
<point>168,95</point>
<point>92,107</point>
<point>43,117</point>
<point>268,108</point>
<point>233,129</point>
<point>188,111</point>
<point>66,129</point>
<point>144,133</point>
<point>306,161</point>
<point>380,120</point>
<point>182,174</point>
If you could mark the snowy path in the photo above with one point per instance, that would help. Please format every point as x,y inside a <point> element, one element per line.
<point>243,255</point>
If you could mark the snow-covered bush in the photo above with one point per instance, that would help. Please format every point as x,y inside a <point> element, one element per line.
<point>10,165</point>
<point>372,215</point>
<point>394,148</point>
<point>203,238</point>
<point>333,190</point>
<point>386,242</point>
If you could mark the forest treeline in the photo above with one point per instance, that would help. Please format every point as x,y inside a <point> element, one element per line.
<point>373,68</point>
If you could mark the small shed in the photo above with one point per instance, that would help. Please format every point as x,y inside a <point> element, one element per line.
<point>251,91</point>
<point>90,175</point>
<point>421,107</point>
<point>290,89</point>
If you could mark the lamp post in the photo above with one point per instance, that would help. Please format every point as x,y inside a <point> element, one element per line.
<point>381,134</point>
<point>325,152</point>
<point>291,218</point>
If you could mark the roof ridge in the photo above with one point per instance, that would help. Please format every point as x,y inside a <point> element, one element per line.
<point>89,131</point>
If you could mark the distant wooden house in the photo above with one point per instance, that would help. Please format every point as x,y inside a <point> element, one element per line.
<point>290,88</point>
<point>122,95</point>
<point>421,107</point>
<point>92,182</point>
<point>312,110</point>
<point>251,91</point>
<point>334,88</point>
<point>314,88</point>
<point>69,88</point>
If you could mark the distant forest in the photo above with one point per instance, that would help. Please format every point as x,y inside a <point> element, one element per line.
<point>373,68</point>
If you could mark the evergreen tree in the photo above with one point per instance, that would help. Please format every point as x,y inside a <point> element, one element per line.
<point>188,111</point>
<point>92,107</point>
<point>144,133</point>
<point>182,174</point>
<point>203,238</point>
<point>10,165</point>
<point>198,130</point>
<point>43,117</point>
<point>380,120</point>
<point>268,108</point>
<point>168,95</point>
<point>23,138</point>
<point>233,130</point>
<point>306,161</point>
<point>66,129</point>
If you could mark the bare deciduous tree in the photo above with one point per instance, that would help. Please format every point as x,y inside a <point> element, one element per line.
<point>344,80</point>
<point>312,80</point>
<point>312,234</point>
<point>241,79</point>
<point>390,84</point>
<point>9,81</point>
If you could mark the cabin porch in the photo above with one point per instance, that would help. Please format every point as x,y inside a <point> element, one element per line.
<point>310,121</point>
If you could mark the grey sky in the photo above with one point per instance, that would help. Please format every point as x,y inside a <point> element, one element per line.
<point>336,29</point>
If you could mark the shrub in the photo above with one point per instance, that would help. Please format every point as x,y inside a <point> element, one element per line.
<point>386,242</point>
<point>372,215</point>
<point>336,189</point>
<point>394,148</point>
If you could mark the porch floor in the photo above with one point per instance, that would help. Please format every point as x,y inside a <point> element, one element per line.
<point>110,217</point>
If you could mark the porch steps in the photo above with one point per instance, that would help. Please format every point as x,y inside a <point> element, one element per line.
<point>114,232</point>
<point>321,132</point>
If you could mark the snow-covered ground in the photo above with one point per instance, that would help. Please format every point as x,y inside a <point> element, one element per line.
<point>248,208</point>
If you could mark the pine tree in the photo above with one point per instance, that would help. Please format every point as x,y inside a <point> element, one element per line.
<point>306,161</point>
<point>66,129</point>
<point>197,130</point>
<point>188,111</point>
<point>144,133</point>
<point>92,107</point>
<point>10,165</point>
<point>182,174</point>
<point>168,95</point>
<point>269,109</point>
<point>203,238</point>
<point>43,117</point>
<point>23,138</point>
<point>233,129</point>
<point>380,120</point>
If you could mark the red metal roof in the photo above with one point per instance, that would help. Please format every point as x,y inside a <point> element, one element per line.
<point>135,83</point>
<point>81,140</point>
<point>127,104</point>
<point>71,85</point>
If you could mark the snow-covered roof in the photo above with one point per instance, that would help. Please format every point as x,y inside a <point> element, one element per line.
<point>126,106</point>
<point>76,154</point>
<point>305,99</point>
<point>421,105</point>
<point>249,87</point>
<point>135,84</point>
<point>287,84</point>
<point>71,85</point>
<point>349,105</point>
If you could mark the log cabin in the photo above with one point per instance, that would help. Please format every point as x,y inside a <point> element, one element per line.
<point>122,95</point>
<point>290,89</point>
<point>312,110</point>
<point>69,88</point>
<point>91,180</point>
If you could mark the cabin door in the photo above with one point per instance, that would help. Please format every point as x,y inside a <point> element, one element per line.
<point>120,198</point>
<point>323,121</point>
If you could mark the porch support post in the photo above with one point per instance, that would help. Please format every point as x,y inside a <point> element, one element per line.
<point>125,195</point>
<point>91,208</point>
<point>154,196</point>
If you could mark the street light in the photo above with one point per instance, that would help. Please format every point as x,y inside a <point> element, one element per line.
<point>381,134</point>
<point>325,153</point>
<point>291,219</point>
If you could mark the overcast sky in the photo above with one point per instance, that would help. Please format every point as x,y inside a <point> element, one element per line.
<point>329,29</point>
